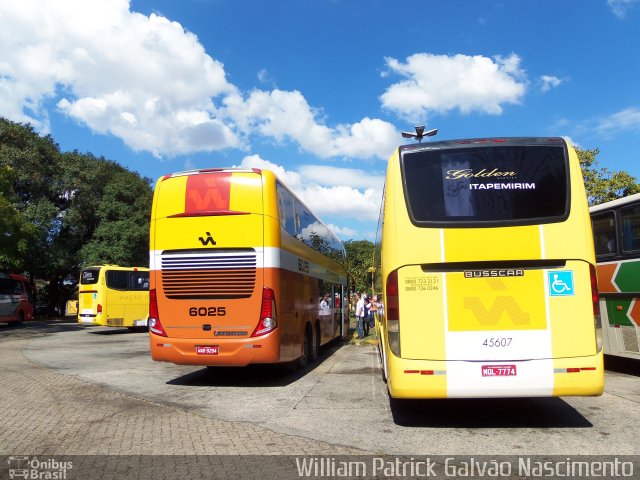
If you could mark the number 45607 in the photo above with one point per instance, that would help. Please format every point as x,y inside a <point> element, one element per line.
<point>497,342</point>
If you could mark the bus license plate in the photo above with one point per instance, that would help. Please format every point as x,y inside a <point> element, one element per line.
<point>207,349</point>
<point>498,370</point>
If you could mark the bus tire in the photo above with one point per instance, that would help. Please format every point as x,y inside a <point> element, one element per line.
<point>315,344</point>
<point>306,347</point>
<point>20,318</point>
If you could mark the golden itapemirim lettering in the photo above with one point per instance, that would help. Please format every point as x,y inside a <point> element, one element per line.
<point>469,173</point>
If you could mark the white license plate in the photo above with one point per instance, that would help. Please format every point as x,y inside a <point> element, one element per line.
<point>499,371</point>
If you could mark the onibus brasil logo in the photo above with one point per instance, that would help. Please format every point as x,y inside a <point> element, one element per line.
<point>35,468</point>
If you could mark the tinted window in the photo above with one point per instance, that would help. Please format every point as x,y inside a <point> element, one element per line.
<point>630,218</point>
<point>505,184</point>
<point>287,210</point>
<point>139,280</point>
<point>117,279</point>
<point>89,276</point>
<point>604,233</point>
<point>8,286</point>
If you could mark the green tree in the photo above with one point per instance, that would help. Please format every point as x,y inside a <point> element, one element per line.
<point>360,259</point>
<point>601,184</point>
<point>61,211</point>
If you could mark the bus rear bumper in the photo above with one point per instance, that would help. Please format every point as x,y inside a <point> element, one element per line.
<point>230,351</point>
<point>576,376</point>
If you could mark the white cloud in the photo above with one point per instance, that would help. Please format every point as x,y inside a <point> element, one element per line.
<point>342,195</point>
<point>336,176</point>
<point>143,79</point>
<point>342,232</point>
<point>625,120</point>
<point>547,82</point>
<point>290,178</point>
<point>147,81</point>
<point>571,142</point>
<point>287,115</point>
<point>440,83</point>
<point>621,7</point>
<point>345,201</point>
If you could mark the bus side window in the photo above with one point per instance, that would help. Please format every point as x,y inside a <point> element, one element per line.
<point>117,279</point>
<point>287,214</point>
<point>631,228</point>
<point>604,234</point>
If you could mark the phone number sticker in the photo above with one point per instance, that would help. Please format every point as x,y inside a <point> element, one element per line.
<point>426,283</point>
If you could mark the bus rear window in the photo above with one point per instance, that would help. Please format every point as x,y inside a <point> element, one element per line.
<point>507,185</point>
<point>89,276</point>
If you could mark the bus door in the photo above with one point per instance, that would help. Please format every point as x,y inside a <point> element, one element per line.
<point>117,282</point>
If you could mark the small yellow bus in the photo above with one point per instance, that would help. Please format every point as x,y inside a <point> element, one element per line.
<point>485,256</point>
<point>114,296</point>
<point>242,272</point>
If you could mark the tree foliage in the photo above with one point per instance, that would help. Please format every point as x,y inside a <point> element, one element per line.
<point>62,211</point>
<point>601,184</point>
<point>360,259</point>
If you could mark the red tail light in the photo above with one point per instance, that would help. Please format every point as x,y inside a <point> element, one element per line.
<point>393,313</point>
<point>393,306</point>
<point>595,298</point>
<point>154,319</point>
<point>99,308</point>
<point>267,321</point>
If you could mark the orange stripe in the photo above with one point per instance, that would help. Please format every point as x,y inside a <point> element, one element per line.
<point>605,278</point>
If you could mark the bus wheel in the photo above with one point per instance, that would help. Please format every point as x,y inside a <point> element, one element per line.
<point>315,344</point>
<point>20,318</point>
<point>306,347</point>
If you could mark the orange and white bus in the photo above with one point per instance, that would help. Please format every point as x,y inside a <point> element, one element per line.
<point>16,298</point>
<point>239,269</point>
<point>485,256</point>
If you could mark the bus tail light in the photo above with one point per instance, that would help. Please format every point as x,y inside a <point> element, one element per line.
<point>267,321</point>
<point>154,319</point>
<point>393,313</point>
<point>595,299</point>
<point>99,308</point>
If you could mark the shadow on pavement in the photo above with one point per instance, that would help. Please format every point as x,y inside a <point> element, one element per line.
<point>630,366</point>
<point>254,375</point>
<point>487,413</point>
<point>39,327</point>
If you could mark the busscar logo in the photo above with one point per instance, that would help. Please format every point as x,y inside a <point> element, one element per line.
<point>509,272</point>
<point>208,240</point>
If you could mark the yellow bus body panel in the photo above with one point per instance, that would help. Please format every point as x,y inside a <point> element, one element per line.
<point>445,318</point>
<point>128,308</point>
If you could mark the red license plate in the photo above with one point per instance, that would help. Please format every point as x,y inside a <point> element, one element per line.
<point>499,370</point>
<point>207,349</point>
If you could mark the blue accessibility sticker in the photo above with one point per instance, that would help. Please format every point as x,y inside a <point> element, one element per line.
<point>560,283</point>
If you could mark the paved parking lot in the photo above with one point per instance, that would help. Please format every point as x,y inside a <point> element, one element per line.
<point>72,390</point>
<point>45,411</point>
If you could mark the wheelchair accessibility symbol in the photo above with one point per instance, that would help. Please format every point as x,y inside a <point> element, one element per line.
<point>560,283</point>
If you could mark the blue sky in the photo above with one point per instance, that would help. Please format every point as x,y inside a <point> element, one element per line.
<point>319,90</point>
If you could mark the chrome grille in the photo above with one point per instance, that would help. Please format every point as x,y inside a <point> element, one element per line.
<point>220,274</point>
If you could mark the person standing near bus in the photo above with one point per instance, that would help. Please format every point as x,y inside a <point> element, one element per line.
<point>373,311</point>
<point>360,315</point>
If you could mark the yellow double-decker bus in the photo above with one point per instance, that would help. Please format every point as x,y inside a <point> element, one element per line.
<point>485,256</point>
<point>114,296</point>
<point>241,272</point>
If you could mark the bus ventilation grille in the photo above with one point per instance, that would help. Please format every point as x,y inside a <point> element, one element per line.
<point>208,275</point>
